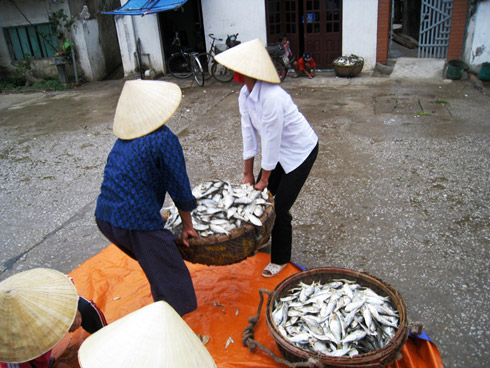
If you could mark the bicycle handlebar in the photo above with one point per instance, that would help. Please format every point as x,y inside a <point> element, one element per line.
<point>214,38</point>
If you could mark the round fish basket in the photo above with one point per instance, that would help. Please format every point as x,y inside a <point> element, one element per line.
<point>348,71</point>
<point>374,359</point>
<point>224,249</point>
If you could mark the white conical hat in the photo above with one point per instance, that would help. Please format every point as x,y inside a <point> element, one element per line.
<point>37,308</point>
<point>251,59</point>
<point>153,336</point>
<point>144,106</point>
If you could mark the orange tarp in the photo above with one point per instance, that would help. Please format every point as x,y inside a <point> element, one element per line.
<point>227,297</point>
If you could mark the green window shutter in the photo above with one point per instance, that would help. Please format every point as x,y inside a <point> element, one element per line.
<point>16,46</point>
<point>31,31</point>
<point>24,41</point>
<point>47,40</point>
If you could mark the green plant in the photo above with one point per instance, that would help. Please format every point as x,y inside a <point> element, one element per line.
<point>51,84</point>
<point>441,102</point>
<point>62,25</point>
<point>18,76</point>
<point>422,113</point>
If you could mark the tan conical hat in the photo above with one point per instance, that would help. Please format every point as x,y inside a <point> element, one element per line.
<point>37,308</point>
<point>153,336</point>
<point>144,106</point>
<point>251,59</point>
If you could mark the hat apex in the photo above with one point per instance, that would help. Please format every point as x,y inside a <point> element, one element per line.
<point>250,59</point>
<point>144,106</point>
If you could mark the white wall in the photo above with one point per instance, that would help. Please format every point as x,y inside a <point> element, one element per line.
<point>359,31</point>
<point>477,50</point>
<point>89,52</point>
<point>224,17</point>
<point>146,28</point>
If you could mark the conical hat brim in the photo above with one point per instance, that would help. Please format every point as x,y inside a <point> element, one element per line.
<point>251,59</point>
<point>37,308</point>
<point>153,336</point>
<point>144,106</point>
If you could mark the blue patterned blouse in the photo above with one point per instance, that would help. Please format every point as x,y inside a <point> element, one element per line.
<point>137,176</point>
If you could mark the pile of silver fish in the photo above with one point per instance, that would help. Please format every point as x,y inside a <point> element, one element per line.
<point>221,207</point>
<point>337,318</point>
<point>348,60</point>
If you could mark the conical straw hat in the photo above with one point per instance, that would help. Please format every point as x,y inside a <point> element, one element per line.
<point>251,59</point>
<point>37,308</point>
<point>144,106</point>
<point>153,336</point>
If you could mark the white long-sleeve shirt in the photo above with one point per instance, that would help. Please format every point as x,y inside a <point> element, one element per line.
<point>286,136</point>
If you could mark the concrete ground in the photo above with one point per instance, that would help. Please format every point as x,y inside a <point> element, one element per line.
<point>400,188</point>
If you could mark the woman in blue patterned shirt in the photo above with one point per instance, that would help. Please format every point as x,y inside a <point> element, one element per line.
<point>145,163</point>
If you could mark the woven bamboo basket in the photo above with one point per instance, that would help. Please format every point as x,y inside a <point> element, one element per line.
<point>240,243</point>
<point>375,359</point>
<point>348,71</point>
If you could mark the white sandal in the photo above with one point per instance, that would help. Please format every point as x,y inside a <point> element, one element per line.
<point>272,269</point>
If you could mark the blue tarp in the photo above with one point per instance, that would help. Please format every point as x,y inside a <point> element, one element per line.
<point>143,7</point>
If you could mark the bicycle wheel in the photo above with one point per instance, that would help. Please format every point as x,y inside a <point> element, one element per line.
<point>196,68</point>
<point>280,68</point>
<point>178,66</point>
<point>221,73</point>
<point>206,60</point>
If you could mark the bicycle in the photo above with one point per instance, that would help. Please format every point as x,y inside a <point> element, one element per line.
<point>215,69</point>
<point>276,52</point>
<point>184,63</point>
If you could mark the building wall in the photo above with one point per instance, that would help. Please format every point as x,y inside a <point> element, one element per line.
<point>458,26</point>
<point>477,50</point>
<point>146,28</point>
<point>34,10</point>
<point>383,35</point>
<point>224,17</point>
<point>100,35</point>
<point>96,49</point>
<point>359,30</point>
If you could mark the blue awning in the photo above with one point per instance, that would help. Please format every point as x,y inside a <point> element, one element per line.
<point>143,7</point>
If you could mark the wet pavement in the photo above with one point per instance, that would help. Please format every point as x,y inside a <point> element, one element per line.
<point>400,188</point>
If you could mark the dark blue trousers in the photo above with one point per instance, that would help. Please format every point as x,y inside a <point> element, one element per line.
<point>285,188</point>
<point>161,261</point>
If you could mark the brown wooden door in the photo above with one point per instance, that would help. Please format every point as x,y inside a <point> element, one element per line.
<point>310,25</point>
<point>322,24</point>
<point>283,18</point>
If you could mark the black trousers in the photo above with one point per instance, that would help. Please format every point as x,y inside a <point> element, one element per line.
<point>92,317</point>
<point>285,188</point>
<point>161,261</point>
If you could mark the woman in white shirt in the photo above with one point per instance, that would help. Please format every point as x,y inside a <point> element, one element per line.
<point>289,145</point>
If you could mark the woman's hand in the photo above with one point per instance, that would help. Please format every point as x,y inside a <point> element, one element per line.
<point>264,180</point>
<point>261,184</point>
<point>187,227</point>
<point>248,179</point>
<point>188,233</point>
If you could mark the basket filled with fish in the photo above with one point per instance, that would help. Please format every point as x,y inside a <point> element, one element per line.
<point>232,221</point>
<point>337,317</point>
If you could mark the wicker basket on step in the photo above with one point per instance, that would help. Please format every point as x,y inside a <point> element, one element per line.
<point>348,71</point>
<point>374,359</point>
<point>224,249</point>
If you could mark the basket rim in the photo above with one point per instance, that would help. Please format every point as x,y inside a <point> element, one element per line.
<point>234,233</point>
<point>391,347</point>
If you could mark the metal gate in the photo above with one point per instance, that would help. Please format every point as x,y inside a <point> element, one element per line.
<point>435,25</point>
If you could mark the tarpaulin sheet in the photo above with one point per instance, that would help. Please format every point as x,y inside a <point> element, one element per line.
<point>227,297</point>
<point>143,7</point>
